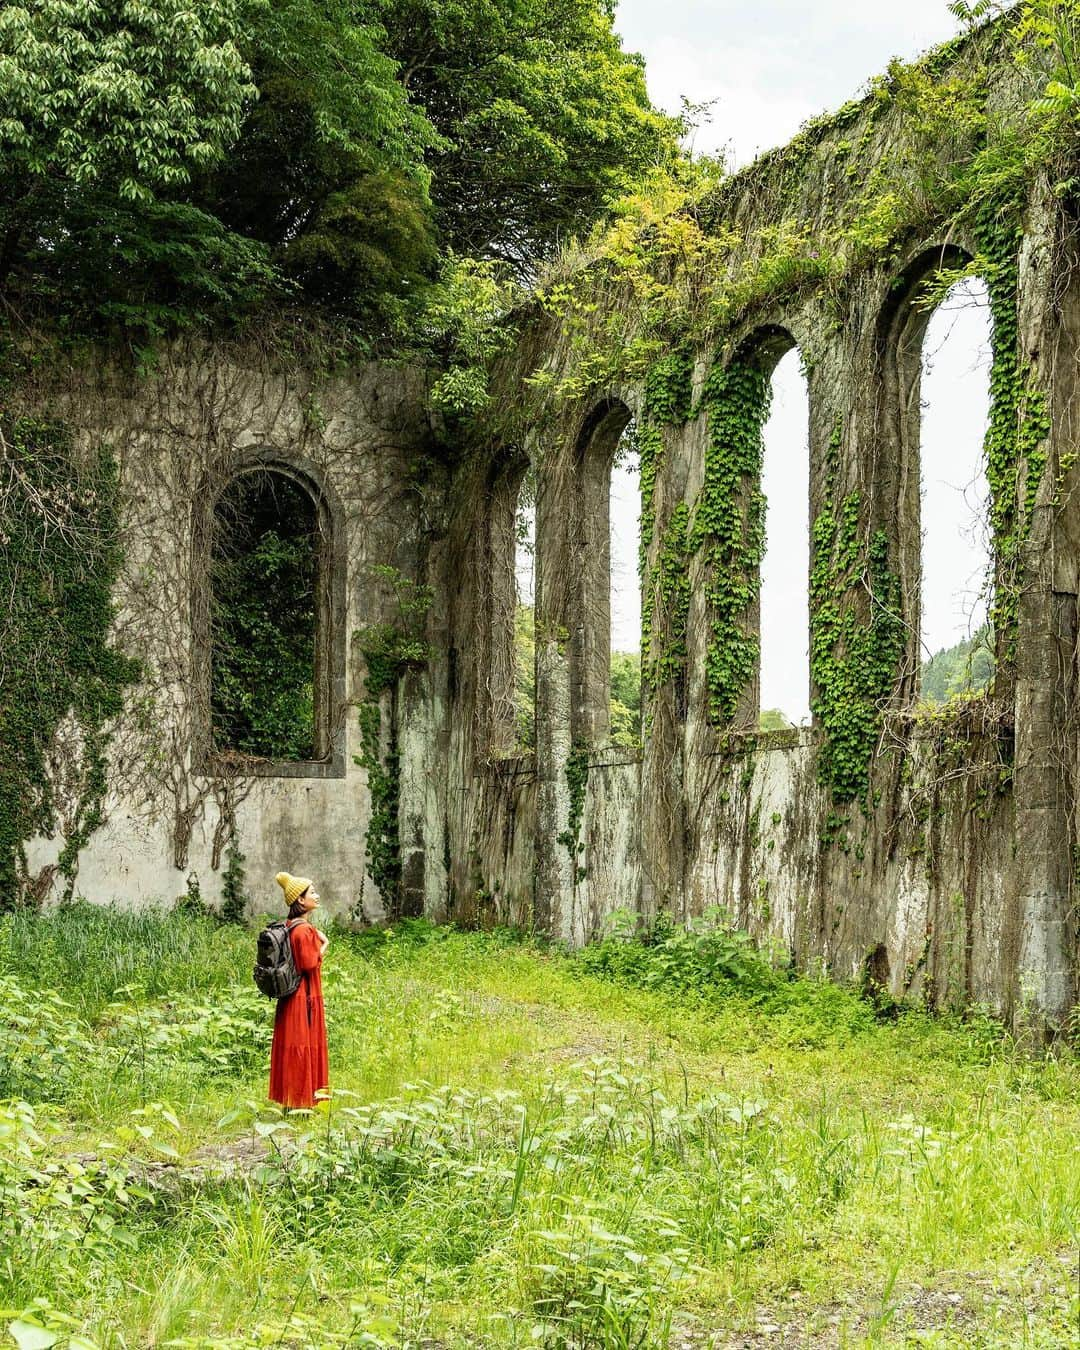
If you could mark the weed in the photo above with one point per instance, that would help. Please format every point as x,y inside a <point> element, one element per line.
<point>590,1151</point>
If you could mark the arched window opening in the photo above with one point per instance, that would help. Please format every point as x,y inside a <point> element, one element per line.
<point>525,616</point>
<point>591,628</point>
<point>505,644</point>
<point>624,522</point>
<point>785,567</point>
<point>956,644</point>
<point>265,581</point>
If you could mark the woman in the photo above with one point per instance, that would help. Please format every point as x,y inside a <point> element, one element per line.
<point>298,1060</point>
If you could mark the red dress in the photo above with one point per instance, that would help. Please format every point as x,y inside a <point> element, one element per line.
<point>298,1060</point>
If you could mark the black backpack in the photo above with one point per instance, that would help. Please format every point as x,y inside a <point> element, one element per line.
<point>275,971</point>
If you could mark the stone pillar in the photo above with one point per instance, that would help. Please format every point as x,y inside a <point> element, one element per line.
<point>555,862</point>
<point>1046,638</point>
<point>556,500</point>
<point>1044,965</point>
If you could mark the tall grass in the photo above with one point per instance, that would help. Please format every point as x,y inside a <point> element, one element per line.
<point>93,953</point>
<point>626,1149</point>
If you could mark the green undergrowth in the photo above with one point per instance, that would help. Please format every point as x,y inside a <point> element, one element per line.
<point>658,1140</point>
<point>94,953</point>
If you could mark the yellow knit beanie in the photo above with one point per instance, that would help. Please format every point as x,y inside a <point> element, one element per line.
<point>294,887</point>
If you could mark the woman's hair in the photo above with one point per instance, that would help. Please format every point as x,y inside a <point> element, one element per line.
<point>296,909</point>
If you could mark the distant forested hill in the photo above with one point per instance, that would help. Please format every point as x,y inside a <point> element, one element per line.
<point>965,668</point>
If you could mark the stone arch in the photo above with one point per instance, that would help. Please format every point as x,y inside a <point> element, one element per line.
<point>497,608</point>
<point>765,347</point>
<point>760,350</point>
<point>590,578</point>
<point>901,336</point>
<point>315,515</point>
<point>902,323</point>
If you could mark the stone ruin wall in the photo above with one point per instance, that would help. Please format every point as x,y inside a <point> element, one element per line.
<point>180,435</point>
<point>956,881</point>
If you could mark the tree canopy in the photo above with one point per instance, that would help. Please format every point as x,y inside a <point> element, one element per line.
<point>543,119</point>
<point>164,163</point>
<point>132,95</point>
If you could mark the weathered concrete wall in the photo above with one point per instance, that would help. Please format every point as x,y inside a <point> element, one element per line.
<point>180,434</point>
<point>951,875</point>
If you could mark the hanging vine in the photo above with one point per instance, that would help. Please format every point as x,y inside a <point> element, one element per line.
<point>1019,424</point>
<point>856,635</point>
<point>60,674</point>
<point>668,402</point>
<point>389,650</point>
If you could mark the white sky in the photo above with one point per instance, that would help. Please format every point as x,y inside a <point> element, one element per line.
<point>625,531</point>
<point>770,66</point>
<point>955,494</point>
<point>773,63</point>
<point>785,570</point>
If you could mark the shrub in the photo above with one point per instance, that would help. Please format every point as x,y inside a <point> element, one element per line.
<point>705,961</point>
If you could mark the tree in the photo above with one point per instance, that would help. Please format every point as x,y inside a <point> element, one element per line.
<point>525,677</point>
<point>544,120</point>
<point>209,157</point>
<point>102,94</point>
<point>625,715</point>
<point>965,668</point>
<point>391,129</point>
<point>328,172</point>
<point>240,154</point>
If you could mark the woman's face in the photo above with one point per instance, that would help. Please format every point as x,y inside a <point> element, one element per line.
<point>310,899</point>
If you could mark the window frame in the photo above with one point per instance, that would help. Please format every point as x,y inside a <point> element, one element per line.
<point>329,677</point>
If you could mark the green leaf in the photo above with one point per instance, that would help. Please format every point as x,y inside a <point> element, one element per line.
<point>31,1335</point>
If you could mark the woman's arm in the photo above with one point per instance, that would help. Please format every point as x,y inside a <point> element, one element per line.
<point>307,951</point>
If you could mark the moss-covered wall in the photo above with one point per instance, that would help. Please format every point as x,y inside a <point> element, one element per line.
<point>942,851</point>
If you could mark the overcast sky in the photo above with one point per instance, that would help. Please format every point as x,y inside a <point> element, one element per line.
<point>771,65</point>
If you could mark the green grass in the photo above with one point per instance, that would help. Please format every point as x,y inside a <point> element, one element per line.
<point>673,1145</point>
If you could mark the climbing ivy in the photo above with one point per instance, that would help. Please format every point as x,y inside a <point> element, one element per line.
<point>1019,422</point>
<point>668,401</point>
<point>234,897</point>
<point>60,555</point>
<point>729,527</point>
<point>856,635</point>
<point>664,660</point>
<point>384,789</point>
<point>577,780</point>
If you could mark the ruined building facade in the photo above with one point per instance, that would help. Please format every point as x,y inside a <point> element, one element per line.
<point>938,854</point>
